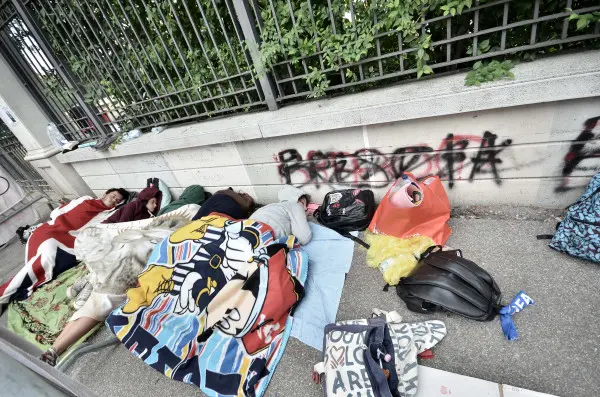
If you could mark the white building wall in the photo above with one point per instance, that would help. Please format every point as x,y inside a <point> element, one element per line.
<point>521,142</point>
<point>505,156</point>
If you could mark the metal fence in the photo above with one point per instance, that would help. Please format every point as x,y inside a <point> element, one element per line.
<point>104,66</point>
<point>503,27</point>
<point>133,63</point>
<point>12,155</point>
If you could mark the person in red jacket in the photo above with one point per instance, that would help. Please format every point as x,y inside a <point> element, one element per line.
<point>146,205</point>
<point>49,250</point>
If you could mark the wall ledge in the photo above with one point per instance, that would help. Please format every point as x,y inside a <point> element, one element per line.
<point>552,79</point>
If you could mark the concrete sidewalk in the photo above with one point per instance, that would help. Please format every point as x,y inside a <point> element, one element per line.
<point>557,351</point>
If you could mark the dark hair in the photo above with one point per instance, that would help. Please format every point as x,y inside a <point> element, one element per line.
<point>121,191</point>
<point>306,196</point>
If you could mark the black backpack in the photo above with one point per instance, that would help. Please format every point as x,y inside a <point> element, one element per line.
<point>347,211</point>
<point>444,280</point>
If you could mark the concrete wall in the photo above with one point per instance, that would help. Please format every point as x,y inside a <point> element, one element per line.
<point>530,141</point>
<point>505,156</point>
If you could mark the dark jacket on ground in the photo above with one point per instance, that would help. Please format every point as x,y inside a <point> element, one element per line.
<point>136,210</point>
<point>223,202</point>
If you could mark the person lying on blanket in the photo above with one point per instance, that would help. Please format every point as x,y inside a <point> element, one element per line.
<point>49,250</point>
<point>146,205</point>
<point>236,205</point>
<point>227,202</point>
<point>288,216</point>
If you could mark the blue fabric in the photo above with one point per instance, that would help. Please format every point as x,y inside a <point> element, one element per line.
<point>329,259</point>
<point>579,233</point>
<point>520,301</point>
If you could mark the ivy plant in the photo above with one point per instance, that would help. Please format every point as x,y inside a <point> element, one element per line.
<point>489,71</point>
<point>584,20</point>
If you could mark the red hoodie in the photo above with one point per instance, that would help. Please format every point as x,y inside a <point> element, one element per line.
<point>136,210</point>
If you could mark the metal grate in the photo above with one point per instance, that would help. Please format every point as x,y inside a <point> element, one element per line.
<point>146,63</point>
<point>12,154</point>
<point>35,69</point>
<point>505,26</point>
<point>106,66</point>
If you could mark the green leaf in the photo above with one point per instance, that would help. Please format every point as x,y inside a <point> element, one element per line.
<point>506,65</point>
<point>453,11</point>
<point>420,53</point>
<point>419,74</point>
<point>573,16</point>
<point>477,65</point>
<point>427,69</point>
<point>582,24</point>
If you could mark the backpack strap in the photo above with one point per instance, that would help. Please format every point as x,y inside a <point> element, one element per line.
<point>355,239</point>
<point>544,236</point>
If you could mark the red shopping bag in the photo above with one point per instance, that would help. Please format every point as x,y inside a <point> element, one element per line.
<point>412,208</point>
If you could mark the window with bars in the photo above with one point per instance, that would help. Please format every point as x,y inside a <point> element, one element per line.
<point>12,159</point>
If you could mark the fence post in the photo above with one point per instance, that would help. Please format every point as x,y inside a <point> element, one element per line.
<point>244,16</point>
<point>30,21</point>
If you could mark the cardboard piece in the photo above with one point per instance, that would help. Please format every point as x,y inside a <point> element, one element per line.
<point>437,383</point>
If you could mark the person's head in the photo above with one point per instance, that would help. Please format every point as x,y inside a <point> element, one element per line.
<point>152,204</point>
<point>304,200</point>
<point>114,197</point>
<point>248,201</point>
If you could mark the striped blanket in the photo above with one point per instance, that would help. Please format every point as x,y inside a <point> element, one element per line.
<point>213,305</point>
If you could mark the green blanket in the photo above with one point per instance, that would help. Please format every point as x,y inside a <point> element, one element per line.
<point>42,317</point>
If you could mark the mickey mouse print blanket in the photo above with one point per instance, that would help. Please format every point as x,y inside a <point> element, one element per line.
<point>214,305</point>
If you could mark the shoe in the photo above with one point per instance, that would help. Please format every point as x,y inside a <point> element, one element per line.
<point>83,296</point>
<point>76,288</point>
<point>49,357</point>
<point>69,146</point>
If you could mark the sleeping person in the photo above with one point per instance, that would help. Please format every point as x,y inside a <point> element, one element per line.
<point>236,205</point>
<point>288,216</point>
<point>146,205</point>
<point>49,250</point>
<point>115,254</point>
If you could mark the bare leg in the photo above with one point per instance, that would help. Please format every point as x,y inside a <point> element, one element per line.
<point>72,332</point>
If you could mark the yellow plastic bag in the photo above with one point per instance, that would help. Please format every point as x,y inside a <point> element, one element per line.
<point>395,257</point>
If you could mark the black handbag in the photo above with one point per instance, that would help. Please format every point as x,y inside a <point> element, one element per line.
<point>346,211</point>
<point>444,280</point>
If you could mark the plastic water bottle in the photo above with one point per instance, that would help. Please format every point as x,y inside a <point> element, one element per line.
<point>56,137</point>
<point>131,135</point>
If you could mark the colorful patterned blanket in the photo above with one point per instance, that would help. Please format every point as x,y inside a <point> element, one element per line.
<point>42,317</point>
<point>214,305</point>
